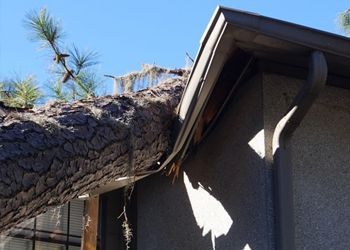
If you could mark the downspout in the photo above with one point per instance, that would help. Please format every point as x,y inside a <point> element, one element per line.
<point>281,139</point>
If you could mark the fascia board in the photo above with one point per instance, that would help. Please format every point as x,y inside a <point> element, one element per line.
<point>203,81</point>
<point>294,33</point>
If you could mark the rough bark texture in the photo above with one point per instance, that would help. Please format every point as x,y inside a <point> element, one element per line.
<point>51,155</point>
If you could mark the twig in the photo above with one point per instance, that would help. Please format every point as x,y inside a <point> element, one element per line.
<point>189,57</point>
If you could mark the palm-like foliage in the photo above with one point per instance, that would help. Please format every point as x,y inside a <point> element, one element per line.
<point>69,68</point>
<point>26,93</point>
<point>344,21</point>
<point>58,92</point>
<point>44,29</point>
<point>82,60</point>
<point>22,93</point>
<point>6,89</point>
<point>90,83</point>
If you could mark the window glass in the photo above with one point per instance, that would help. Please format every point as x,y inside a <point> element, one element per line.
<point>58,228</point>
<point>73,248</point>
<point>54,220</point>
<point>11,243</point>
<point>76,218</point>
<point>41,245</point>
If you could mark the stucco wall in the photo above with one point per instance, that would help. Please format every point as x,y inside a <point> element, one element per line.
<point>320,150</point>
<point>226,186</point>
<point>225,180</point>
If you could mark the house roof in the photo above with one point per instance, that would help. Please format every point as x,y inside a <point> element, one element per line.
<point>275,41</point>
<point>231,42</point>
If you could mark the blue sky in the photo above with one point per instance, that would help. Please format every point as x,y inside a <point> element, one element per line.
<point>129,33</point>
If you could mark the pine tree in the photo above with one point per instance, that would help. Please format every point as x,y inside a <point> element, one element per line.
<point>344,22</point>
<point>20,93</point>
<point>74,79</point>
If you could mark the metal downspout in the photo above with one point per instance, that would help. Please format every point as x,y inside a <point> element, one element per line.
<point>283,132</point>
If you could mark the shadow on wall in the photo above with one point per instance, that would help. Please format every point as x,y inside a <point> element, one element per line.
<point>222,192</point>
<point>226,192</point>
<point>209,213</point>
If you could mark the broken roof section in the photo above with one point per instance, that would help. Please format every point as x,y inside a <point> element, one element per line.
<point>279,42</point>
<point>232,41</point>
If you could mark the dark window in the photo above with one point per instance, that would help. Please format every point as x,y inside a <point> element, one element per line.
<point>59,228</point>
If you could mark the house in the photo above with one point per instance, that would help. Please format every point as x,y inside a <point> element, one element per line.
<point>264,144</point>
<point>269,102</point>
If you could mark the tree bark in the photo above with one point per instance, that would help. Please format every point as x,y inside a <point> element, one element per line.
<point>53,154</point>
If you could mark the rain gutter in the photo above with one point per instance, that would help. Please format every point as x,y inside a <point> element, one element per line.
<point>284,130</point>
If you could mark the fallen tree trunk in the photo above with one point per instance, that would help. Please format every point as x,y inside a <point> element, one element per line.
<point>53,154</point>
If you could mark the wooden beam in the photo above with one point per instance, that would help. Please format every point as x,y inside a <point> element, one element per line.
<point>89,238</point>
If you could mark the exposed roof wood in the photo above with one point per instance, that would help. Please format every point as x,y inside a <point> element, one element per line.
<point>277,42</point>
